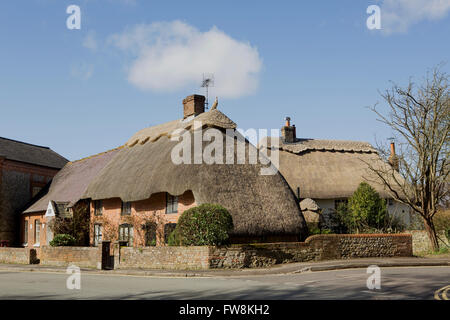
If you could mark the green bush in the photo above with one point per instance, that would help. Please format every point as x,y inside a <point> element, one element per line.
<point>61,240</point>
<point>365,212</point>
<point>206,224</point>
<point>315,229</point>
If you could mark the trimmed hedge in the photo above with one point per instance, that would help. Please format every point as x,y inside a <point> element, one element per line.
<point>206,224</point>
<point>63,240</point>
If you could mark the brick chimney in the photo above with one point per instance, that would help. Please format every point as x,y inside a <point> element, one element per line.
<point>393,159</point>
<point>193,105</point>
<point>288,132</point>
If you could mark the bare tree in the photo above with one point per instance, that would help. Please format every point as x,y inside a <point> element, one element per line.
<point>420,118</point>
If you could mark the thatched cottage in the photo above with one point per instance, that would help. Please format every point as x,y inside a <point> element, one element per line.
<point>63,195</point>
<point>136,193</point>
<point>329,171</point>
<point>25,169</point>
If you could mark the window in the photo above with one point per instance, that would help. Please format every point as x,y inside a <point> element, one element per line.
<point>126,208</point>
<point>168,229</point>
<point>37,232</point>
<point>98,207</point>
<point>35,191</point>
<point>126,234</point>
<point>98,230</point>
<point>25,232</point>
<point>171,203</point>
<point>150,233</point>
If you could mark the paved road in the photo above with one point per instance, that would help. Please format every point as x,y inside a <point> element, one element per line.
<point>396,283</point>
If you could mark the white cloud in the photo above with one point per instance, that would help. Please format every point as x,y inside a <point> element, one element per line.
<point>399,15</point>
<point>90,41</point>
<point>82,70</point>
<point>168,56</point>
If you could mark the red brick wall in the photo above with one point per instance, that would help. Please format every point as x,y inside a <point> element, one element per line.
<point>152,209</point>
<point>17,181</point>
<point>31,218</point>
<point>83,257</point>
<point>17,255</point>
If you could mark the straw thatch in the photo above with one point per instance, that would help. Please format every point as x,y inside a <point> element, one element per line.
<point>70,183</point>
<point>260,205</point>
<point>329,169</point>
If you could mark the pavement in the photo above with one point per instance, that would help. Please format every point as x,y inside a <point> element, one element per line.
<point>282,269</point>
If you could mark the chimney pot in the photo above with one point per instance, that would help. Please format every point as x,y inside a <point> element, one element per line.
<point>288,132</point>
<point>193,105</point>
<point>288,121</point>
<point>393,159</point>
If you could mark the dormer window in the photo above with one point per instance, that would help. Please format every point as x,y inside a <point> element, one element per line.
<point>126,208</point>
<point>98,207</point>
<point>171,203</point>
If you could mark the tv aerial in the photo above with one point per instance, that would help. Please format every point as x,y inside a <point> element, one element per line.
<point>208,81</point>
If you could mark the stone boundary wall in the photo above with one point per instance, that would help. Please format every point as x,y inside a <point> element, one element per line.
<point>17,255</point>
<point>83,257</point>
<point>164,257</point>
<point>421,242</point>
<point>315,248</point>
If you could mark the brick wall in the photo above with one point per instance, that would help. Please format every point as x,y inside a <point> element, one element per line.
<point>165,257</point>
<point>17,181</point>
<point>17,255</point>
<point>315,248</point>
<point>152,209</point>
<point>83,257</point>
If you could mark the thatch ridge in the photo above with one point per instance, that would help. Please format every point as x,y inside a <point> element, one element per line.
<point>212,118</point>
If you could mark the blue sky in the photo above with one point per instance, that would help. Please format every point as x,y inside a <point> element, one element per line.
<point>85,91</point>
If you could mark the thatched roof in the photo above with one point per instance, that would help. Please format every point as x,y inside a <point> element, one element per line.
<point>70,183</point>
<point>329,169</point>
<point>213,118</point>
<point>259,204</point>
<point>30,153</point>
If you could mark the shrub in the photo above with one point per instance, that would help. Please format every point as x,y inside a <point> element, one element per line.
<point>315,229</point>
<point>61,240</point>
<point>367,209</point>
<point>206,224</point>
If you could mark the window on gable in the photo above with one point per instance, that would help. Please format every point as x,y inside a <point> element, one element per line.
<point>98,207</point>
<point>171,203</point>
<point>126,208</point>
<point>126,234</point>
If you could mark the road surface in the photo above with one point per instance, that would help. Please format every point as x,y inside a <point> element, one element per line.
<point>396,283</point>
